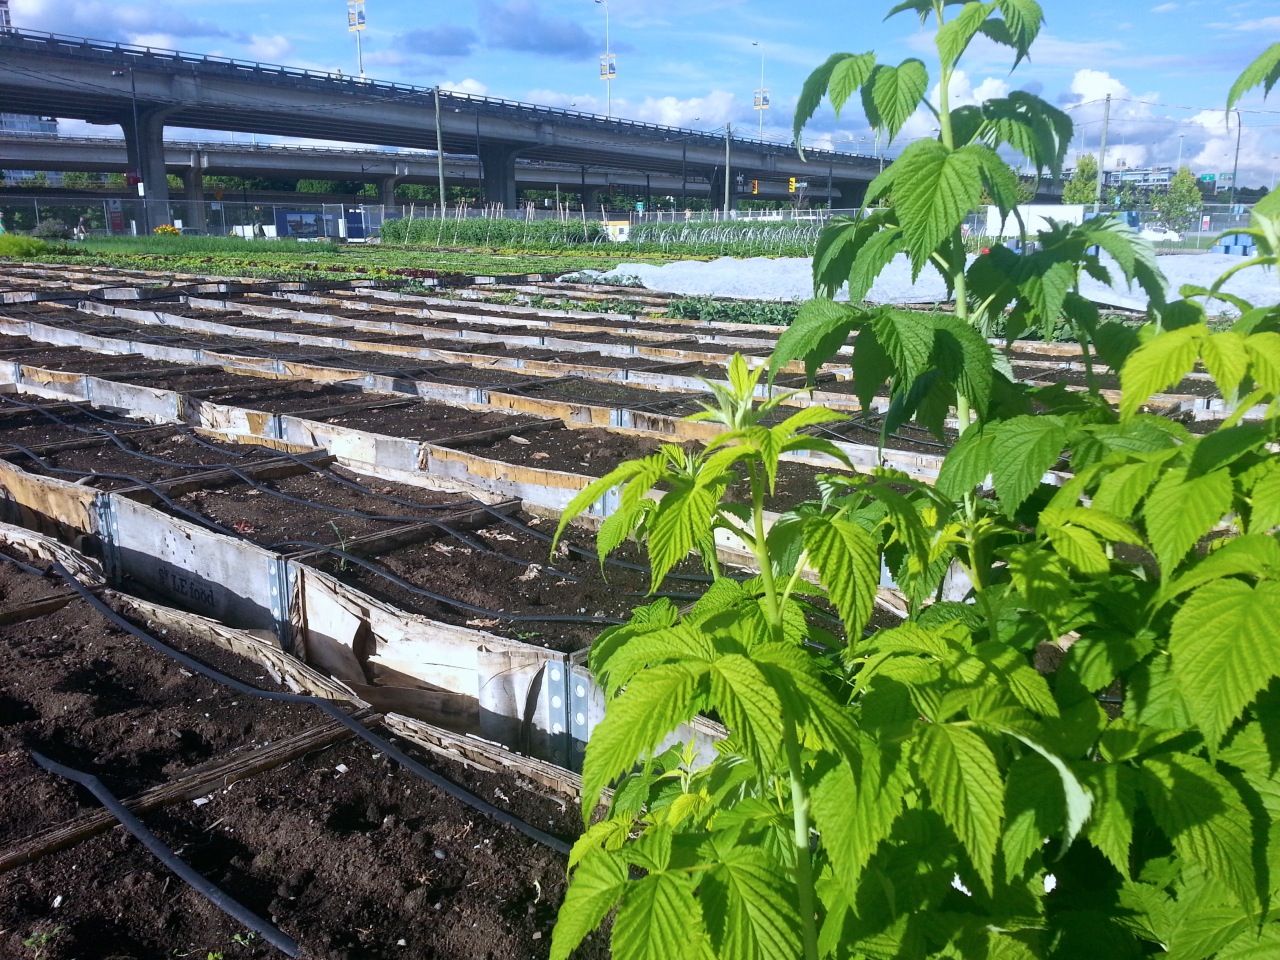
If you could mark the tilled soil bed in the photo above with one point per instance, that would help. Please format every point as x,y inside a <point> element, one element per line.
<point>348,853</point>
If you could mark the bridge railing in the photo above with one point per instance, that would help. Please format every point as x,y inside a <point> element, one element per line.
<point>130,55</point>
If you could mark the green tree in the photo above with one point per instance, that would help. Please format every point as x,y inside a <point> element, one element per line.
<point>1083,185</point>
<point>1180,206</point>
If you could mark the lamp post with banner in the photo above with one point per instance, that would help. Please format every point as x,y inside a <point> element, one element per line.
<point>355,24</point>
<point>762,95</point>
<point>608,67</point>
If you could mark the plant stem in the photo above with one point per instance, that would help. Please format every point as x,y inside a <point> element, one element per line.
<point>804,862</point>
<point>791,743</point>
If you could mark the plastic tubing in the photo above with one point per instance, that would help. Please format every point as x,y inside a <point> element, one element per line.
<point>327,707</point>
<point>197,881</point>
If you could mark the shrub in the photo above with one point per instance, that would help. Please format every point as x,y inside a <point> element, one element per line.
<point>166,230</point>
<point>21,248</point>
<point>52,230</point>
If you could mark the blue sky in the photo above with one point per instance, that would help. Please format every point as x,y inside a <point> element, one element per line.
<point>1167,65</point>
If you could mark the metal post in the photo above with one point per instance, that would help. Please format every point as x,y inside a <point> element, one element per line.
<point>1235,169</point>
<point>608,63</point>
<point>684,177</point>
<point>1102,153</point>
<point>440,152</point>
<point>728,136</point>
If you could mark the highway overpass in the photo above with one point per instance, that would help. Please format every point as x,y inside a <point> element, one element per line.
<point>145,90</point>
<point>193,160</point>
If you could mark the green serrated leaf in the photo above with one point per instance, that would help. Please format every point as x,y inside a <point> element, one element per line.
<point>1264,498</point>
<point>847,559</point>
<point>1080,548</point>
<point>820,326</point>
<point>1264,360</point>
<point>848,77</point>
<point>815,88</point>
<point>1203,815</point>
<point>679,524</point>
<point>855,814</point>
<point>1157,365</point>
<point>968,464</point>
<point>1023,450</point>
<point>657,919</point>
<point>953,37</point>
<point>748,903</point>
<point>1226,360</point>
<point>934,191</point>
<point>892,94</point>
<point>1115,795</point>
<point>1180,511</point>
<point>749,705</point>
<point>1225,649</point>
<point>1263,72</point>
<point>655,702</point>
<point>967,790</point>
<point>597,884</point>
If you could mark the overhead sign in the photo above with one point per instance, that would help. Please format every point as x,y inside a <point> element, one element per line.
<point>1208,177</point>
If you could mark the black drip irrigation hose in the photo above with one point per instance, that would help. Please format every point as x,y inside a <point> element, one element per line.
<point>496,514</point>
<point>390,577</point>
<point>327,707</point>
<point>24,567</point>
<point>196,518</point>
<point>202,520</point>
<point>162,852</point>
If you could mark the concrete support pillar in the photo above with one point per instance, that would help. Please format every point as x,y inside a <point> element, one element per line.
<point>193,192</point>
<point>387,191</point>
<point>716,178</point>
<point>145,145</point>
<point>849,194</point>
<point>499,163</point>
<point>591,198</point>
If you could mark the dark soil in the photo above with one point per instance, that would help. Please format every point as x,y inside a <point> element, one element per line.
<point>432,422</point>
<point>347,853</point>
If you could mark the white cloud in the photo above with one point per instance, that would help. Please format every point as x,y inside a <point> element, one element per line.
<point>273,49</point>
<point>1165,8</point>
<point>714,110</point>
<point>473,87</point>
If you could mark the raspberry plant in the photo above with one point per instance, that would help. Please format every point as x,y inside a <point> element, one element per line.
<point>1078,761</point>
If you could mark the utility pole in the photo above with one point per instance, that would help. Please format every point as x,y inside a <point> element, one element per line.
<point>728,134</point>
<point>440,152</point>
<point>1102,153</point>
<point>1235,169</point>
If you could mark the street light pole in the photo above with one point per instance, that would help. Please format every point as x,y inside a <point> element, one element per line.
<point>137,145</point>
<point>728,136</point>
<point>607,70</point>
<point>762,95</point>
<point>440,152</point>
<point>1181,137</point>
<point>1235,169</point>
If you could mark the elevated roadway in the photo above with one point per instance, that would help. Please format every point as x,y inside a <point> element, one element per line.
<point>145,90</point>
<point>192,160</point>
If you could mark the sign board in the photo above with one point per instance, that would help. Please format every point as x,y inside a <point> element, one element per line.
<point>115,214</point>
<point>1208,177</point>
<point>1206,222</point>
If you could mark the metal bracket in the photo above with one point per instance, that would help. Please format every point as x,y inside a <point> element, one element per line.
<point>555,684</point>
<point>108,536</point>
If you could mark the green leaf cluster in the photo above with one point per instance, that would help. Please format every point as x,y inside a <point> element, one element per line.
<point>1068,743</point>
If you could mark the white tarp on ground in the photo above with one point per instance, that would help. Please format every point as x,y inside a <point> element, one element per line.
<point>761,278</point>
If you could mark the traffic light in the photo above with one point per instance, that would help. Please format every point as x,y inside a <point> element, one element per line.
<point>791,185</point>
<point>755,186</point>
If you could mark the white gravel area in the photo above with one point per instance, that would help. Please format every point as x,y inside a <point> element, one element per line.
<point>761,278</point>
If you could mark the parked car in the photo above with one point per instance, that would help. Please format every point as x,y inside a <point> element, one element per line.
<point>1158,233</point>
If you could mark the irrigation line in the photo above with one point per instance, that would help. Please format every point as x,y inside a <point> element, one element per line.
<point>329,709</point>
<point>24,567</point>
<point>201,519</point>
<point>162,852</point>
<point>390,577</point>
